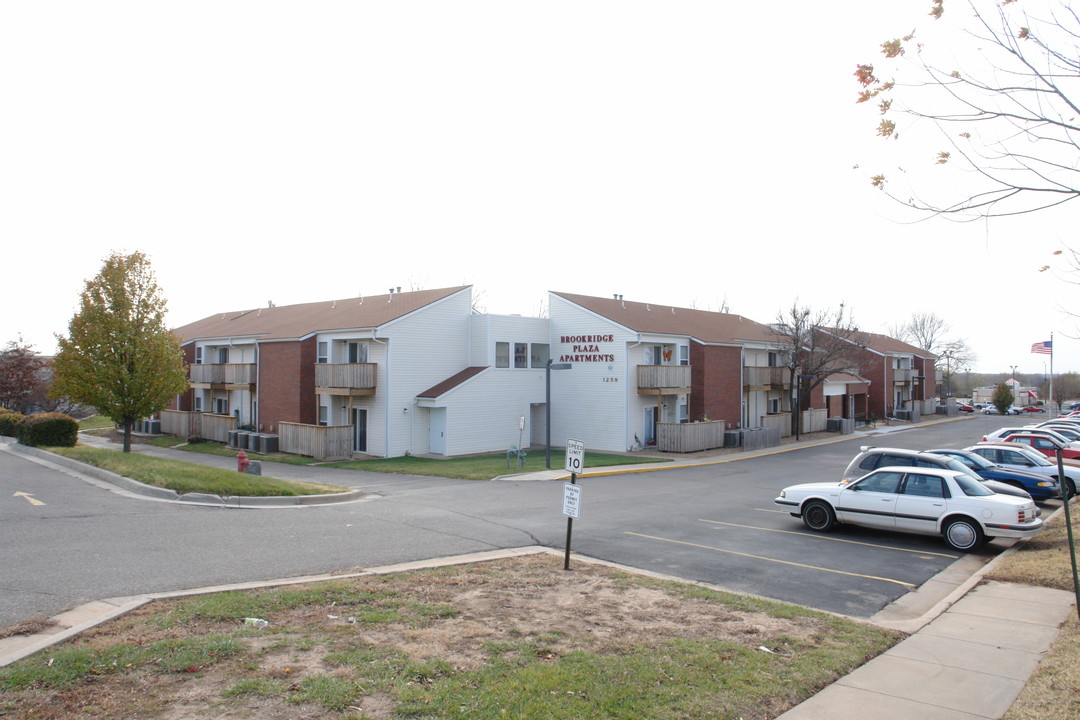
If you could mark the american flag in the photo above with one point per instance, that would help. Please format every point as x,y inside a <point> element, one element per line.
<point>1043,348</point>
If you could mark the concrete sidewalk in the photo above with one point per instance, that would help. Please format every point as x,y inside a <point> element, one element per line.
<point>970,662</point>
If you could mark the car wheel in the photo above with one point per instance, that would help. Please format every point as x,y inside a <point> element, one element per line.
<point>1070,488</point>
<point>818,515</point>
<point>963,534</point>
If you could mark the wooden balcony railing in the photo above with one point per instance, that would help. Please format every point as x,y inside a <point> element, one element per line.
<point>224,374</point>
<point>346,378</point>
<point>775,377</point>
<point>663,379</point>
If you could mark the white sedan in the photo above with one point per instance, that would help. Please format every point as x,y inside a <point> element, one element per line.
<point>926,501</point>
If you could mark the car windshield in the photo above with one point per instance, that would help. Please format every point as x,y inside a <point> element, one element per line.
<point>979,461</point>
<point>954,464</point>
<point>971,487</point>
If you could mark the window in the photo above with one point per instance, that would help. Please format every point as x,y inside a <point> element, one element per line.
<point>684,354</point>
<point>924,486</point>
<point>198,403</point>
<point>521,355</point>
<point>324,413</point>
<point>198,355</point>
<point>223,355</point>
<point>882,482</point>
<point>357,353</point>
<point>324,352</point>
<point>774,359</point>
<point>684,413</point>
<point>540,354</point>
<point>502,354</point>
<point>221,406</point>
<point>774,405</point>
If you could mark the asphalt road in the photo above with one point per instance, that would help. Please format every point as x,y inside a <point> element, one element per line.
<point>71,540</point>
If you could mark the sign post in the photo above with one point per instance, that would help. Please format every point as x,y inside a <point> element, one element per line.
<point>575,461</point>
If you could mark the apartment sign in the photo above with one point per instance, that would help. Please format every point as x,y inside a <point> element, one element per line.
<point>588,348</point>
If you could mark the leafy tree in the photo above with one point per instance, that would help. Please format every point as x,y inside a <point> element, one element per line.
<point>823,342</point>
<point>1008,110</point>
<point>1003,398</point>
<point>20,376</point>
<point>119,356</point>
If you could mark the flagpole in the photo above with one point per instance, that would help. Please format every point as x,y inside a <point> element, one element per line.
<point>1052,372</point>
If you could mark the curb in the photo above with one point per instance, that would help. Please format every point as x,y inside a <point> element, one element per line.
<point>164,494</point>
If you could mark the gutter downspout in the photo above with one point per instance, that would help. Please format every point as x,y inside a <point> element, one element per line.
<point>386,404</point>
<point>626,399</point>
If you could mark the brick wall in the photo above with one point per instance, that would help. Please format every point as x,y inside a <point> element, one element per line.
<point>716,383</point>
<point>286,383</point>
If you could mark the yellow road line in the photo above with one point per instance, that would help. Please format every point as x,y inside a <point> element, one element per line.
<point>782,562</point>
<point>817,536</point>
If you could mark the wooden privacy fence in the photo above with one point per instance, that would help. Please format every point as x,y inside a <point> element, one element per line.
<point>322,442</point>
<point>689,437</point>
<point>197,425</point>
<point>180,423</point>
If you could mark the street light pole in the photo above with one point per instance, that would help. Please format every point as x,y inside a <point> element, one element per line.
<point>547,407</point>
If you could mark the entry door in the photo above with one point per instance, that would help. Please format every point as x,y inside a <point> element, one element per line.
<point>359,423</point>
<point>650,425</point>
<point>437,431</point>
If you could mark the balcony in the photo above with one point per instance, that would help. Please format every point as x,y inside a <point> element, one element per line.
<point>764,378</point>
<point>903,375</point>
<point>349,379</point>
<point>223,376</point>
<point>663,379</point>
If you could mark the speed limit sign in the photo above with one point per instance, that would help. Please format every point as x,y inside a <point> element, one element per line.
<point>575,456</point>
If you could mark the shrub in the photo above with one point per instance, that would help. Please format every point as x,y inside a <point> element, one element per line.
<point>9,420</point>
<point>51,429</point>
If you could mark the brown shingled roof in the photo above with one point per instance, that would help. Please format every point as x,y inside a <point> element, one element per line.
<point>297,321</point>
<point>703,325</point>
<point>890,346</point>
<point>452,382</point>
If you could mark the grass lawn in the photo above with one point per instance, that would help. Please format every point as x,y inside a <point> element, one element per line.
<point>477,467</point>
<point>514,638</point>
<point>189,477</point>
<point>1053,692</point>
<point>95,422</point>
<point>486,467</point>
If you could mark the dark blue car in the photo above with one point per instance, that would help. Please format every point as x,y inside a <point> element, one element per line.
<point>1040,487</point>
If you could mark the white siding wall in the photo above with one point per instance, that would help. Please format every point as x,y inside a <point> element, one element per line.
<point>424,349</point>
<point>596,401</point>
<point>484,414</point>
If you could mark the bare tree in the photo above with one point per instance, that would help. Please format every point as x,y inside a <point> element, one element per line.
<point>930,332</point>
<point>823,342</point>
<point>1009,116</point>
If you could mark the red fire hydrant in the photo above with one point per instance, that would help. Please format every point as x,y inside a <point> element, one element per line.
<point>242,461</point>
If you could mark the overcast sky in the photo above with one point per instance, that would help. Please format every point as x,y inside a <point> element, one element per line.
<point>694,154</point>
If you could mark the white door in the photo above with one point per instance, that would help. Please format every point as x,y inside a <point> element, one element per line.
<point>437,431</point>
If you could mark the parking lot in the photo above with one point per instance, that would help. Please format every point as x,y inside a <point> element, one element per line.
<point>721,526</point>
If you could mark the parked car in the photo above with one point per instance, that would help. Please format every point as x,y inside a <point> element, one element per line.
<point>1032,409</point>
<point>992,410</point>
<point>872,458</point>
<point>1039,486</point>
<point>964,407</point>
<point>1002,435</point>
<point>927,501</point>
<point>1012,455</point>
<point>1069,431</point>
<point>1047,446</point>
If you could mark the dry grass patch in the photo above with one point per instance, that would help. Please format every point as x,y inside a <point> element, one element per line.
<point>513,638</point>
